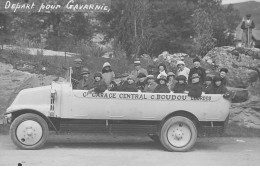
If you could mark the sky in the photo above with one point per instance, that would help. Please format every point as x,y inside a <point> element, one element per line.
<point>235,1</point>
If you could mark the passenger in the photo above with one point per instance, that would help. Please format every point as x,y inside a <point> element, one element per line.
<point>84,83</point>
<point>162,70</point>
<point>208,86</point>
<point>162,85</point>
<point>138,69</point>
<point>182,69</point>
<point>98,86</point>
<point>171,81</point>
<point>223,74</point>
<point>117,83</point>
<point>207,73</point>
<point>181,84</point>
<point>107,74</point>
<point>124,78</point>
<point>152,70</point>
<point>75,74</point>
<point>218,87</point>
<point>129,85</point>
<point>141,82</point>
<point>197,69</point>
<point>195,88</point>
<point>151,84</point>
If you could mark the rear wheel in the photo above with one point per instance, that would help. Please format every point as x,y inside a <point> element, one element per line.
<point>178,134</point>
<point>29,131</point>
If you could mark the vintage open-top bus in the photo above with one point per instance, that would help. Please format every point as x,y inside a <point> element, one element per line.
<point>176,120</point>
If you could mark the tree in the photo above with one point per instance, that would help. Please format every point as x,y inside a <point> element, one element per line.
<point>224,20</point>
<point>204,31</point>
<point>149,26</point>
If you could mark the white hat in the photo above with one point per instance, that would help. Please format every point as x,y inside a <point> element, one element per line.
<point>137,62</point>
<point>106,64</point>
<point>180,63</point>
<point>78,60</point>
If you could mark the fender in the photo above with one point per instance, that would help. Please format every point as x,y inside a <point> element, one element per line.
<point>18,112</point>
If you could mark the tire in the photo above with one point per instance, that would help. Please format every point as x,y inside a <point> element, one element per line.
<point>183,134</point>
<point>29,131</point>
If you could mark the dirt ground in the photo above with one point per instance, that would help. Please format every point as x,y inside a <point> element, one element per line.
<point>60,150</point>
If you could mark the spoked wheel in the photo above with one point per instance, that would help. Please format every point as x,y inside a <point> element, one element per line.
<point>29,131</point>
<point>178,134</point>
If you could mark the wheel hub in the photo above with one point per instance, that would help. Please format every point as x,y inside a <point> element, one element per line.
<point>29,132</point>
<point>179,135</point>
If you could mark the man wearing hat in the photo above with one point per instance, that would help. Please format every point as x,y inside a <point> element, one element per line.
<point>138,69</point>
<point>162,85</point>
<point>182,69</point>
<point>151,84</point>
<point>195,88</point>
<point>84,83</point>
<point>181,85</point>
<point>141,81</point>
<point>247,26</point>
<point>197,69</point>
<point>76,73</point>
<point>117,82</point>
<point>223,73</point>
<point>207,86</point>
<point>218,87</point>
<point>129,85</point>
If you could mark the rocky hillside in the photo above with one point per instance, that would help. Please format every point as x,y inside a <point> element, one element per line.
<point>243,64</point>
<point>244,72</point>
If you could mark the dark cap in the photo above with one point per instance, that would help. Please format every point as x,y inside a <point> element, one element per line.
<point>224,70</point>
<point>141,75</point>
<point>217,78</point>
<point>181,77</point>
<point>248,15</point>
<point>208,78</point>
<point>195,76</point>
<point>196,60</point>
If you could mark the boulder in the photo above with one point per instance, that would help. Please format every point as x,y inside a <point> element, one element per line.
<point>240,95</point>
<point>242,65</point>
<point>246,114</point>
<point>170,60</point>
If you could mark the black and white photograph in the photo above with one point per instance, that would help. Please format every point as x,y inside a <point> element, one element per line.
<point>129,83</point>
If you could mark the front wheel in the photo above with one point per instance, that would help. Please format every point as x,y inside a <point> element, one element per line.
<point>29,131</point>
<point>178,133</point>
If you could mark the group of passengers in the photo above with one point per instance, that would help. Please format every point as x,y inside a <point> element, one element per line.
<point>193,81</point>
